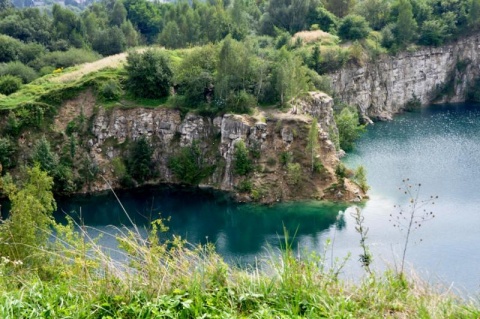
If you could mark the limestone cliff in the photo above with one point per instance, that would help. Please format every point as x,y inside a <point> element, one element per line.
<point>267,135</point>
<point>383,87</point>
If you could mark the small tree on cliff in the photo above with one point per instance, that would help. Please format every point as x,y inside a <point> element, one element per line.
<point>312,143</point>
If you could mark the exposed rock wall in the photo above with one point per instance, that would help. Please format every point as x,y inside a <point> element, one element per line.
<point>270,134</point>
<point>383,87</point>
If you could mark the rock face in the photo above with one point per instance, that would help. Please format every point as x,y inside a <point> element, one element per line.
<point>384,87</point>
<point>267,137</point>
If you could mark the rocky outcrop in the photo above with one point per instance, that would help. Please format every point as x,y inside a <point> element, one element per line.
<point>383,87</point>
<point>266,136</point>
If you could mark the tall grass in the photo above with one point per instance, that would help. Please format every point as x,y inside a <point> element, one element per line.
<point>162,278</point>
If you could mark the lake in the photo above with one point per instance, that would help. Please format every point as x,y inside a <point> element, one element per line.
<point>438,146</point>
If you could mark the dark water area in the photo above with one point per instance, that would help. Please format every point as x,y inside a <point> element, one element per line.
<point>438,146</point>
<point>241,232</point>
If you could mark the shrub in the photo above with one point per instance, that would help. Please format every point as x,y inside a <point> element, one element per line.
<point>353,27</point>
<point>60,59</point>
<point>149,74</point>
<point>245,186</point>
<point>6,152</point>
<point>242,164</point>
<point>139,162</point>
<point>9,48</point>
<point>111,90</point>
<point>349,128</point>
<point>189,166</point>
<point>20,70</point>
<point>294,173</point>
<point>9,84</point>
<point>286,158</point>
<point>360,178</point>
<point>109,42</point>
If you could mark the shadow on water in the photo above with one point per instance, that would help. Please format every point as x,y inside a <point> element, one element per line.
<point>240,231</point>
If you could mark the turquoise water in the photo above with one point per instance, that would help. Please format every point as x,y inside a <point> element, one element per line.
<point>438,146</point>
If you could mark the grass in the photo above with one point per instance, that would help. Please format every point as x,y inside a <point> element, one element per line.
<point>173,279</point>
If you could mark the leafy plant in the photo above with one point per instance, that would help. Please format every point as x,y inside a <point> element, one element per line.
<point>9,84</point>
<point>294,173</point>
<point>139,162</point>
<point>190,166</point>
<point>349,128</point>
<point>366,257</point>
<point>242,164</point>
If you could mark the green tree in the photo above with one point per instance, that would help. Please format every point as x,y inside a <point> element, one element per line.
<point>406,26</point>
<point>340,8</point>
<point>149,74</point>
<point>474,14</point>
<point>376,12</point>
<point>110,41</point>
<point>353,27</point>
<point>6,153</point>
<point>43,155</point>
<point>5,4</point>
<point>171,37</point>
<point>242,164</point>
<point>360,178</point>
<point>189,166</point>
<point>312,143</point>
<point>27,229</point>
<point>119,14</point>
<point>289,76</point>
<point>139,164</point>
<point>349,128</point>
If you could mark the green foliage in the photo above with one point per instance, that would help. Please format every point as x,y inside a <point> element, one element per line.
<point>60,59</point>
<point>341,171</point>
<point>20,70</point>
<point>294,173</point>
<point>109,41</point>
<point>139,162</point>
<point>9,48</point>
<point>353,27</point>
<point>413,104</point>
<point>349,128</point>
<point>406,26</point>
<point>7,150</point>
<point>190,166</point>
<point>9,84</point>
<point>433,32</point>
<point>111,90</point>
<point>360,177</point>
<point>149,74</point>
<point>286,158</point>
<point>242,164</point>
<point>376,12</point>
<point>340,8</point>
<point>289,77</point>
<point>43,155</point>
<point>24,233</point>
<point>245,186</point>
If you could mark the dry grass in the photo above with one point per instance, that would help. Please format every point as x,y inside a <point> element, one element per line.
<point>113,61</point>
<point>315,36</point>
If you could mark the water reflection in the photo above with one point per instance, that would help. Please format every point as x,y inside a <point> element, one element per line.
<point>240,231</point>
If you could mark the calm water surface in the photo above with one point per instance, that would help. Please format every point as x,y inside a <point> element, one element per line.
<point>438,146</point>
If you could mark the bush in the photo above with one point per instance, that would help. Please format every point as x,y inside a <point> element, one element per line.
<point>9,84</point>
<point>189,166</point>
<point>242,165</point>
<point>353,27</point>
<point>109,42</point>
<point>60,59</point>
<point>111,90</point>
<point>6,152</point>
<point>9,48</point>
<point>349,128</point>
<point>139,163</point>
<point>149,74</point>
<point>20,70</point>
<point>286,158</point>
<point>294,173</point>
<point>245,186</point>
